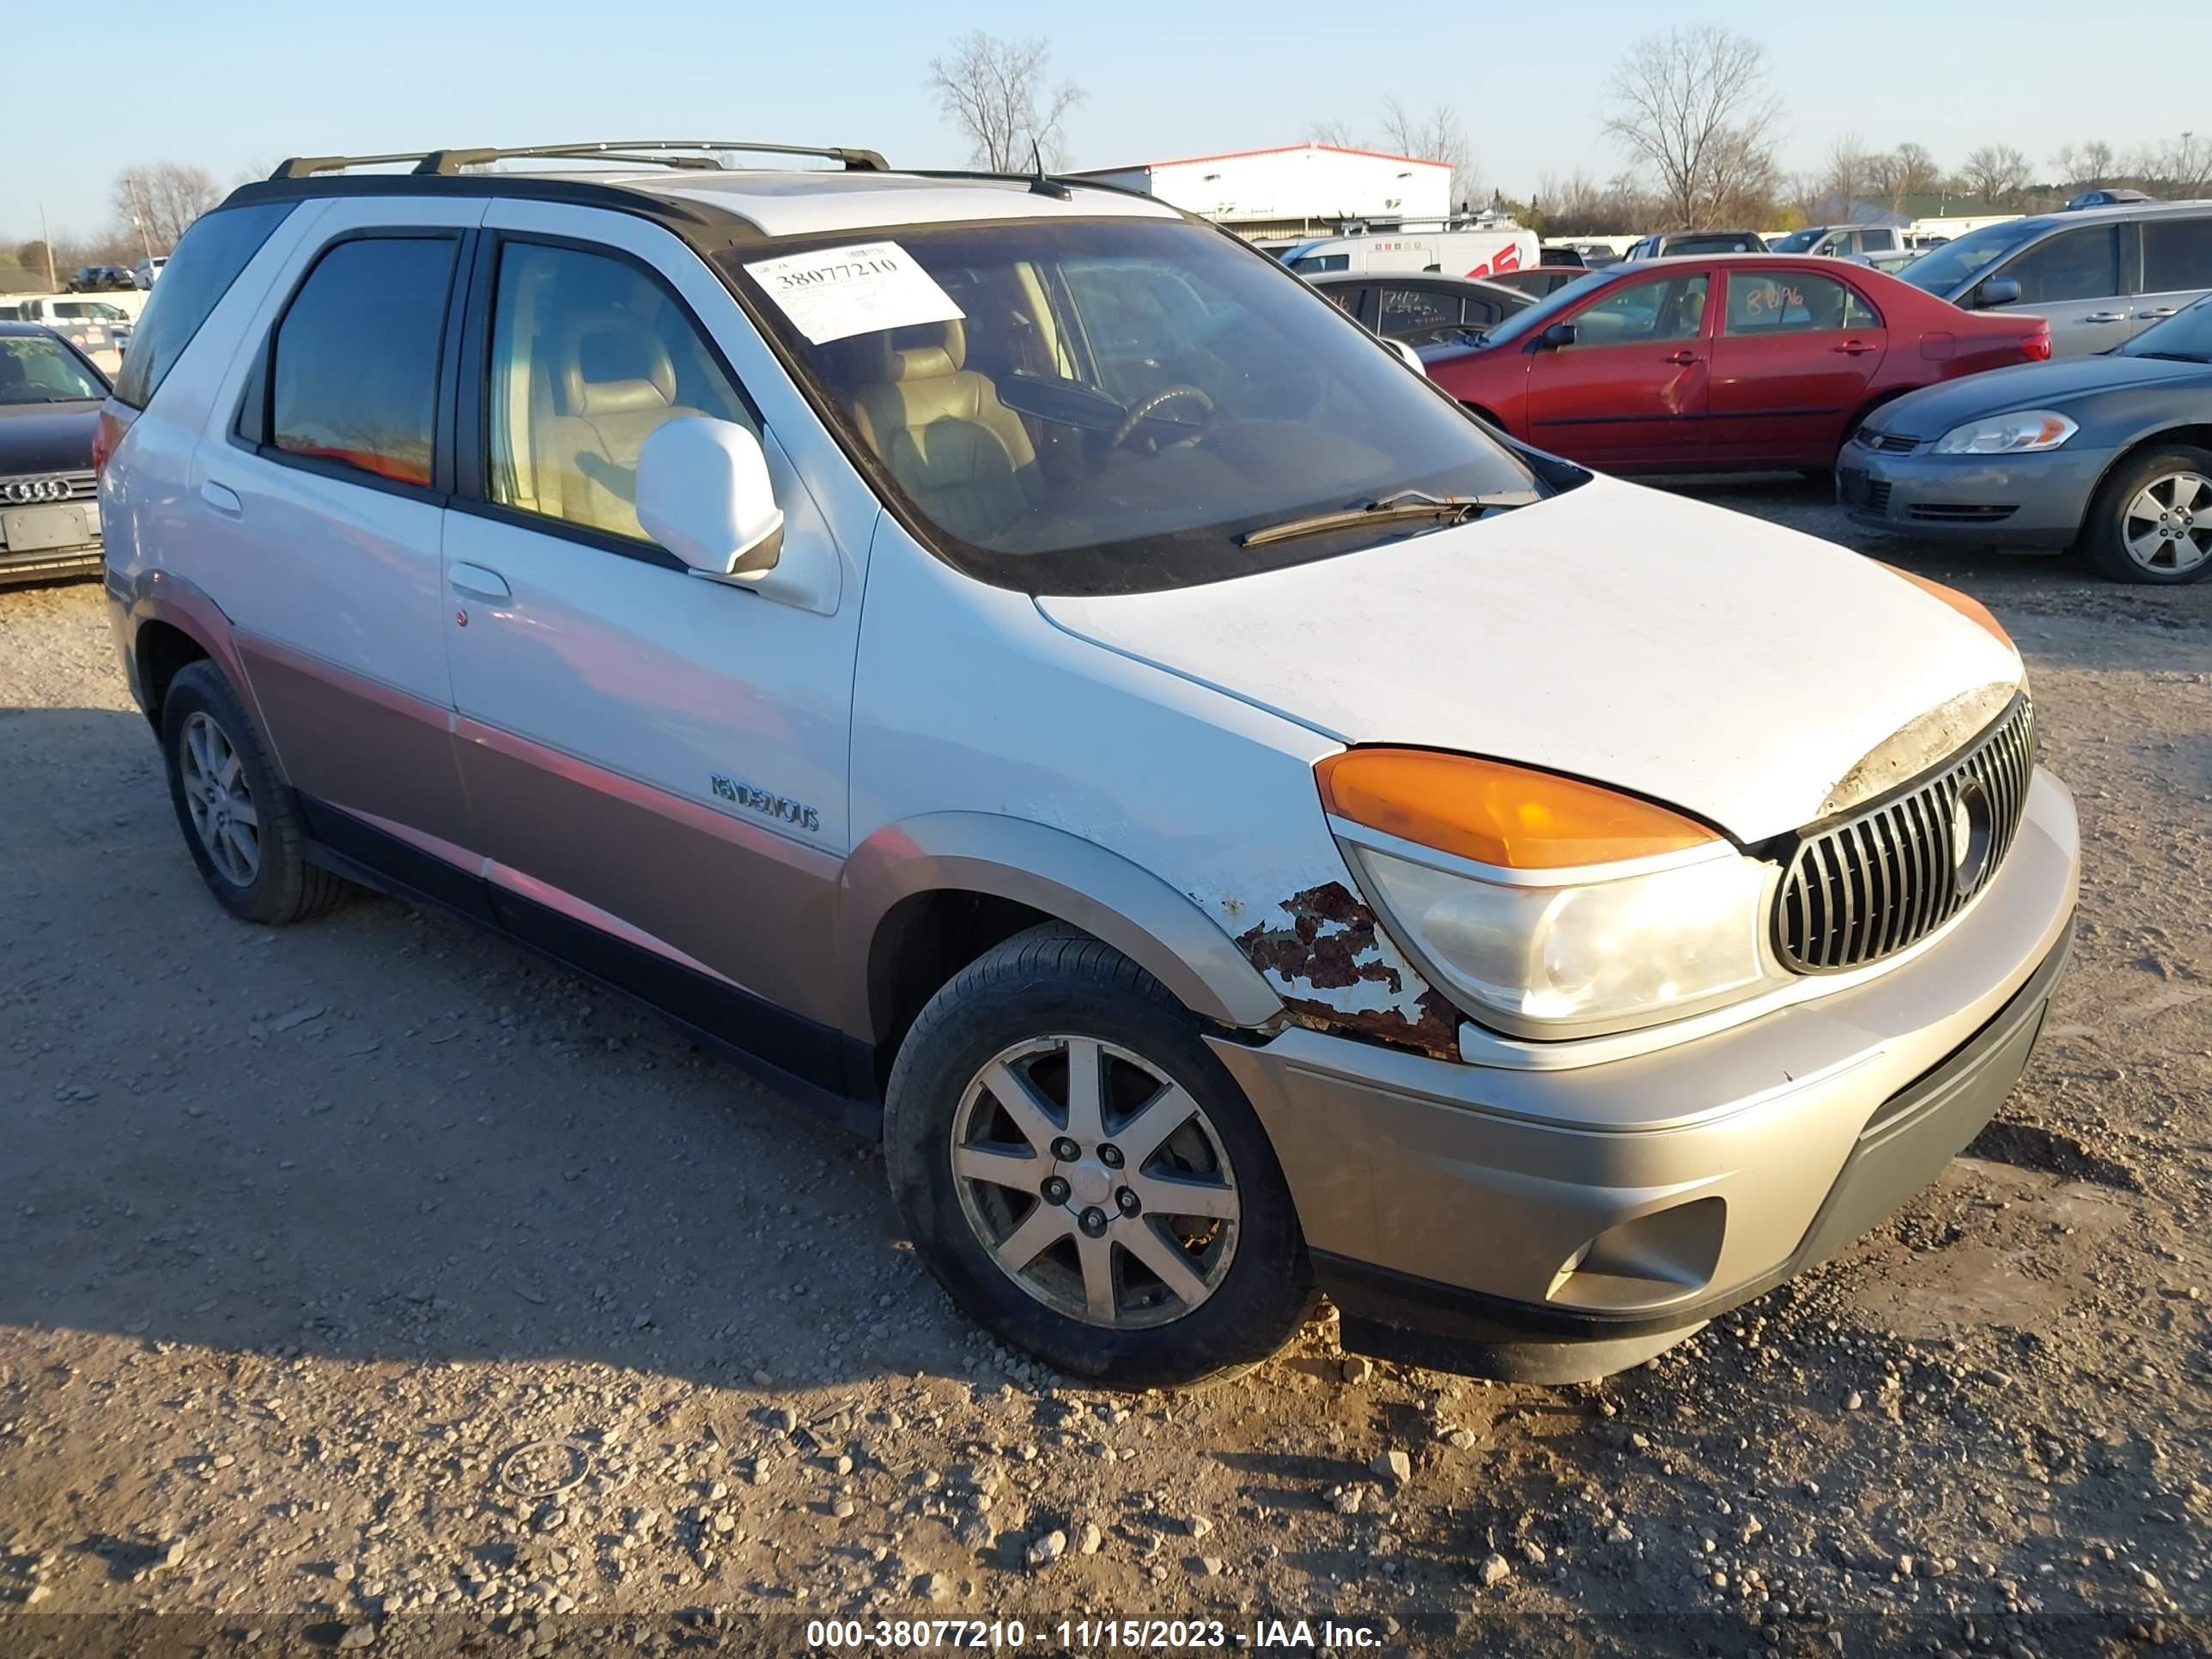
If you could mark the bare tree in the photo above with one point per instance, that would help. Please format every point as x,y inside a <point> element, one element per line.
<point>1850,171</point>
<point>1332,132</point>
<point>1908,170</point>
<point>1692,104</point>
<point>1995,173</point>
<point>2079,166</point>
<point>157,202</point>
<point>2183,167</point>
<point>1441,137</point>
<point>995,92</point>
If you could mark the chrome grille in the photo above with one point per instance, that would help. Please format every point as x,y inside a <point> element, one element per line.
<point>1891,443</point>
<point>1885,877</point>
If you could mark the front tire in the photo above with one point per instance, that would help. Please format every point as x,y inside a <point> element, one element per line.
<point>2152,519</point>
<point>237,815</point>
<point>1082,1175</point>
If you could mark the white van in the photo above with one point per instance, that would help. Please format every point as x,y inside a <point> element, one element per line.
<point>1455,252</point>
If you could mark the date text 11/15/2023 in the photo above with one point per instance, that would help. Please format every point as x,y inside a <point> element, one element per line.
<point>1091,1635</point>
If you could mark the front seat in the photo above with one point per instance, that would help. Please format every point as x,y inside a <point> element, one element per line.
<point>963,456</point>
<point>614,387</point>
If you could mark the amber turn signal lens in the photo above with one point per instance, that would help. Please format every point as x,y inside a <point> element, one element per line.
<point>1497,814</point>
<point>1965,604</point>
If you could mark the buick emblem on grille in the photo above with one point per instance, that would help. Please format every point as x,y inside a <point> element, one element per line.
<point>22,490</point>
<point>1971,821</point>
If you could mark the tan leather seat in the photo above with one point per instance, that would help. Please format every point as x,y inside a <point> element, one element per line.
<point>963,456</point>
<point>613,387</point>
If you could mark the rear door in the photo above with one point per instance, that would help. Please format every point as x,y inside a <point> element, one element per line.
<point>2177,266</point>
<point>2072,278</point>
<point>1796,352</point>
<point>1632,391</point>
<point>328,488</point>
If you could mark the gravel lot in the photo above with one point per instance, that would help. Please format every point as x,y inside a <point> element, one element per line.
<point>367,1285</point>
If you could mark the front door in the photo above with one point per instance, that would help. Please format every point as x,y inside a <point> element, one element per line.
<point>324,489</point>
<point>1631,390</point>
<point>1791,364</point>
<point>656,760</point>
<point>2073,280</point>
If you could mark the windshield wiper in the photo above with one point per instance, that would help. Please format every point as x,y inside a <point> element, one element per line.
<point>1406,504</point>
<point>2172,356</point>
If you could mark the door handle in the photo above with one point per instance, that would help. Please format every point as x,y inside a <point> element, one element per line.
<point>223,498</point>
<point>1684,357</point>
<point>2152,316</point>
<point>2104,317</point>
<point>477,582</point>
<point>1852,349</point>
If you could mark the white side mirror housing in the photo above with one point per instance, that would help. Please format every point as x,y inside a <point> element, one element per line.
<point>1411,358</point>
<point>703,494</point>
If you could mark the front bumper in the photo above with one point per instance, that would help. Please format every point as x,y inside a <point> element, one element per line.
<point>1444,1204</point>
<point>33,549</point>
<point>2026,501</point>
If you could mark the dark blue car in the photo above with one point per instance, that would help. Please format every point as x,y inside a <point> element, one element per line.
<point>2110,455</point>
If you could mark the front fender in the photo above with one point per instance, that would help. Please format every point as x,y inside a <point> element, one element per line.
<point>1050,870</point>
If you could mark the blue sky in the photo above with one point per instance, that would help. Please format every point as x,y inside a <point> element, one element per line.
<point>252,81</point>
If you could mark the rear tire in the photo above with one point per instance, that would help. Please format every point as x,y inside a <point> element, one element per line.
<point>235,812</point>
<point>1028,1210</point>
<point>2152,519</point>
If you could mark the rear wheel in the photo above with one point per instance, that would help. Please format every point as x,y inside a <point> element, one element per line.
<point>1084,1176</point>
<point>2151,521</point>
<point>236,814</point>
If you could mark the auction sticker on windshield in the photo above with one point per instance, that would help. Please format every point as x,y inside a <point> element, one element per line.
<point>839,292</point>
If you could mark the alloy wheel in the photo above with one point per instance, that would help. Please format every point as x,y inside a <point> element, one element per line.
<point>1097,1182</point>
<point>221,804</point>
<point>2168,525</point>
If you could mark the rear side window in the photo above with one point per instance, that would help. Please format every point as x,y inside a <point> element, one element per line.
<point>354,366</point>
<point>2177,254</point>
<point>200,273</point>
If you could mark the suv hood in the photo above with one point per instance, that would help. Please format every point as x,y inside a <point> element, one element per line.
<point>1692,655</point>
<point>1930,412</point>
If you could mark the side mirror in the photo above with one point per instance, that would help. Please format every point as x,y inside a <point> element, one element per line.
<point>1410,357</point>
<point>1998,291</point>
<point>1557,335</point>
<point>703,494</point>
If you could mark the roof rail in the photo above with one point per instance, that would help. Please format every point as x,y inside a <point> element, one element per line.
<point>698,153</point>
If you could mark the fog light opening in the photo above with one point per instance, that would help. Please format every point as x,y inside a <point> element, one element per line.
<point>1649,1262</point>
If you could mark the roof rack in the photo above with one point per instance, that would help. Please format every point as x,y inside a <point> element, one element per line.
<point>689,153</point>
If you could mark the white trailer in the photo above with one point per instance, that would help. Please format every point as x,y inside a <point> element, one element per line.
<point>1455,250</point>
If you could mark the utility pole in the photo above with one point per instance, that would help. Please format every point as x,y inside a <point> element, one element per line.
<point>138,218</point>
<point>46,241</point>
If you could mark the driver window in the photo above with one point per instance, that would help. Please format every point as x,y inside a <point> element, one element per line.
<point>2075,264</point>
<point>1661,308</point>
<point>590,357</point>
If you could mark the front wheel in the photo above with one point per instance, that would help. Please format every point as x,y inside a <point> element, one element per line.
<point>2151,521</point>
<point>1084,1177</point>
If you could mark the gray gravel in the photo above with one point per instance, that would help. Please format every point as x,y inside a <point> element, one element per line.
<point>368,1283</point>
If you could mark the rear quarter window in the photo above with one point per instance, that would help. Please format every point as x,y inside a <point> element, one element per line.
<point>200,272</point>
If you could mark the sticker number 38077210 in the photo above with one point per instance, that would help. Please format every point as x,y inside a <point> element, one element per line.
<point>838,292</point>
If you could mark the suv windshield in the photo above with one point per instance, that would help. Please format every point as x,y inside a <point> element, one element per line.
<point>1965,258</point>
<point>2187,337</point>
<point>1108,406</point>
<point>37,369</point>
<point>1797,240</point>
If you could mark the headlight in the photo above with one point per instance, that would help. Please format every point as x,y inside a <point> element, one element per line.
<point>1552,908</point>
<point>2008,435</point>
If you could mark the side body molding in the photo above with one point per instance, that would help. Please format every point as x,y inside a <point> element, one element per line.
<point>1160,929</point>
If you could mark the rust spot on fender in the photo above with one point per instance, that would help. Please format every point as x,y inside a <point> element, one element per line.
<point>1337,971</point>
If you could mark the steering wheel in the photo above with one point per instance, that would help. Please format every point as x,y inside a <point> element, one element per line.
<point>1144,408</point>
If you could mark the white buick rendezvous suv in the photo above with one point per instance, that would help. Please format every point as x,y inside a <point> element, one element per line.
<point>1010,664</point>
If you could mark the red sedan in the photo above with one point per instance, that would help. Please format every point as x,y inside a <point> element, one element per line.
<point>1721,362</point>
